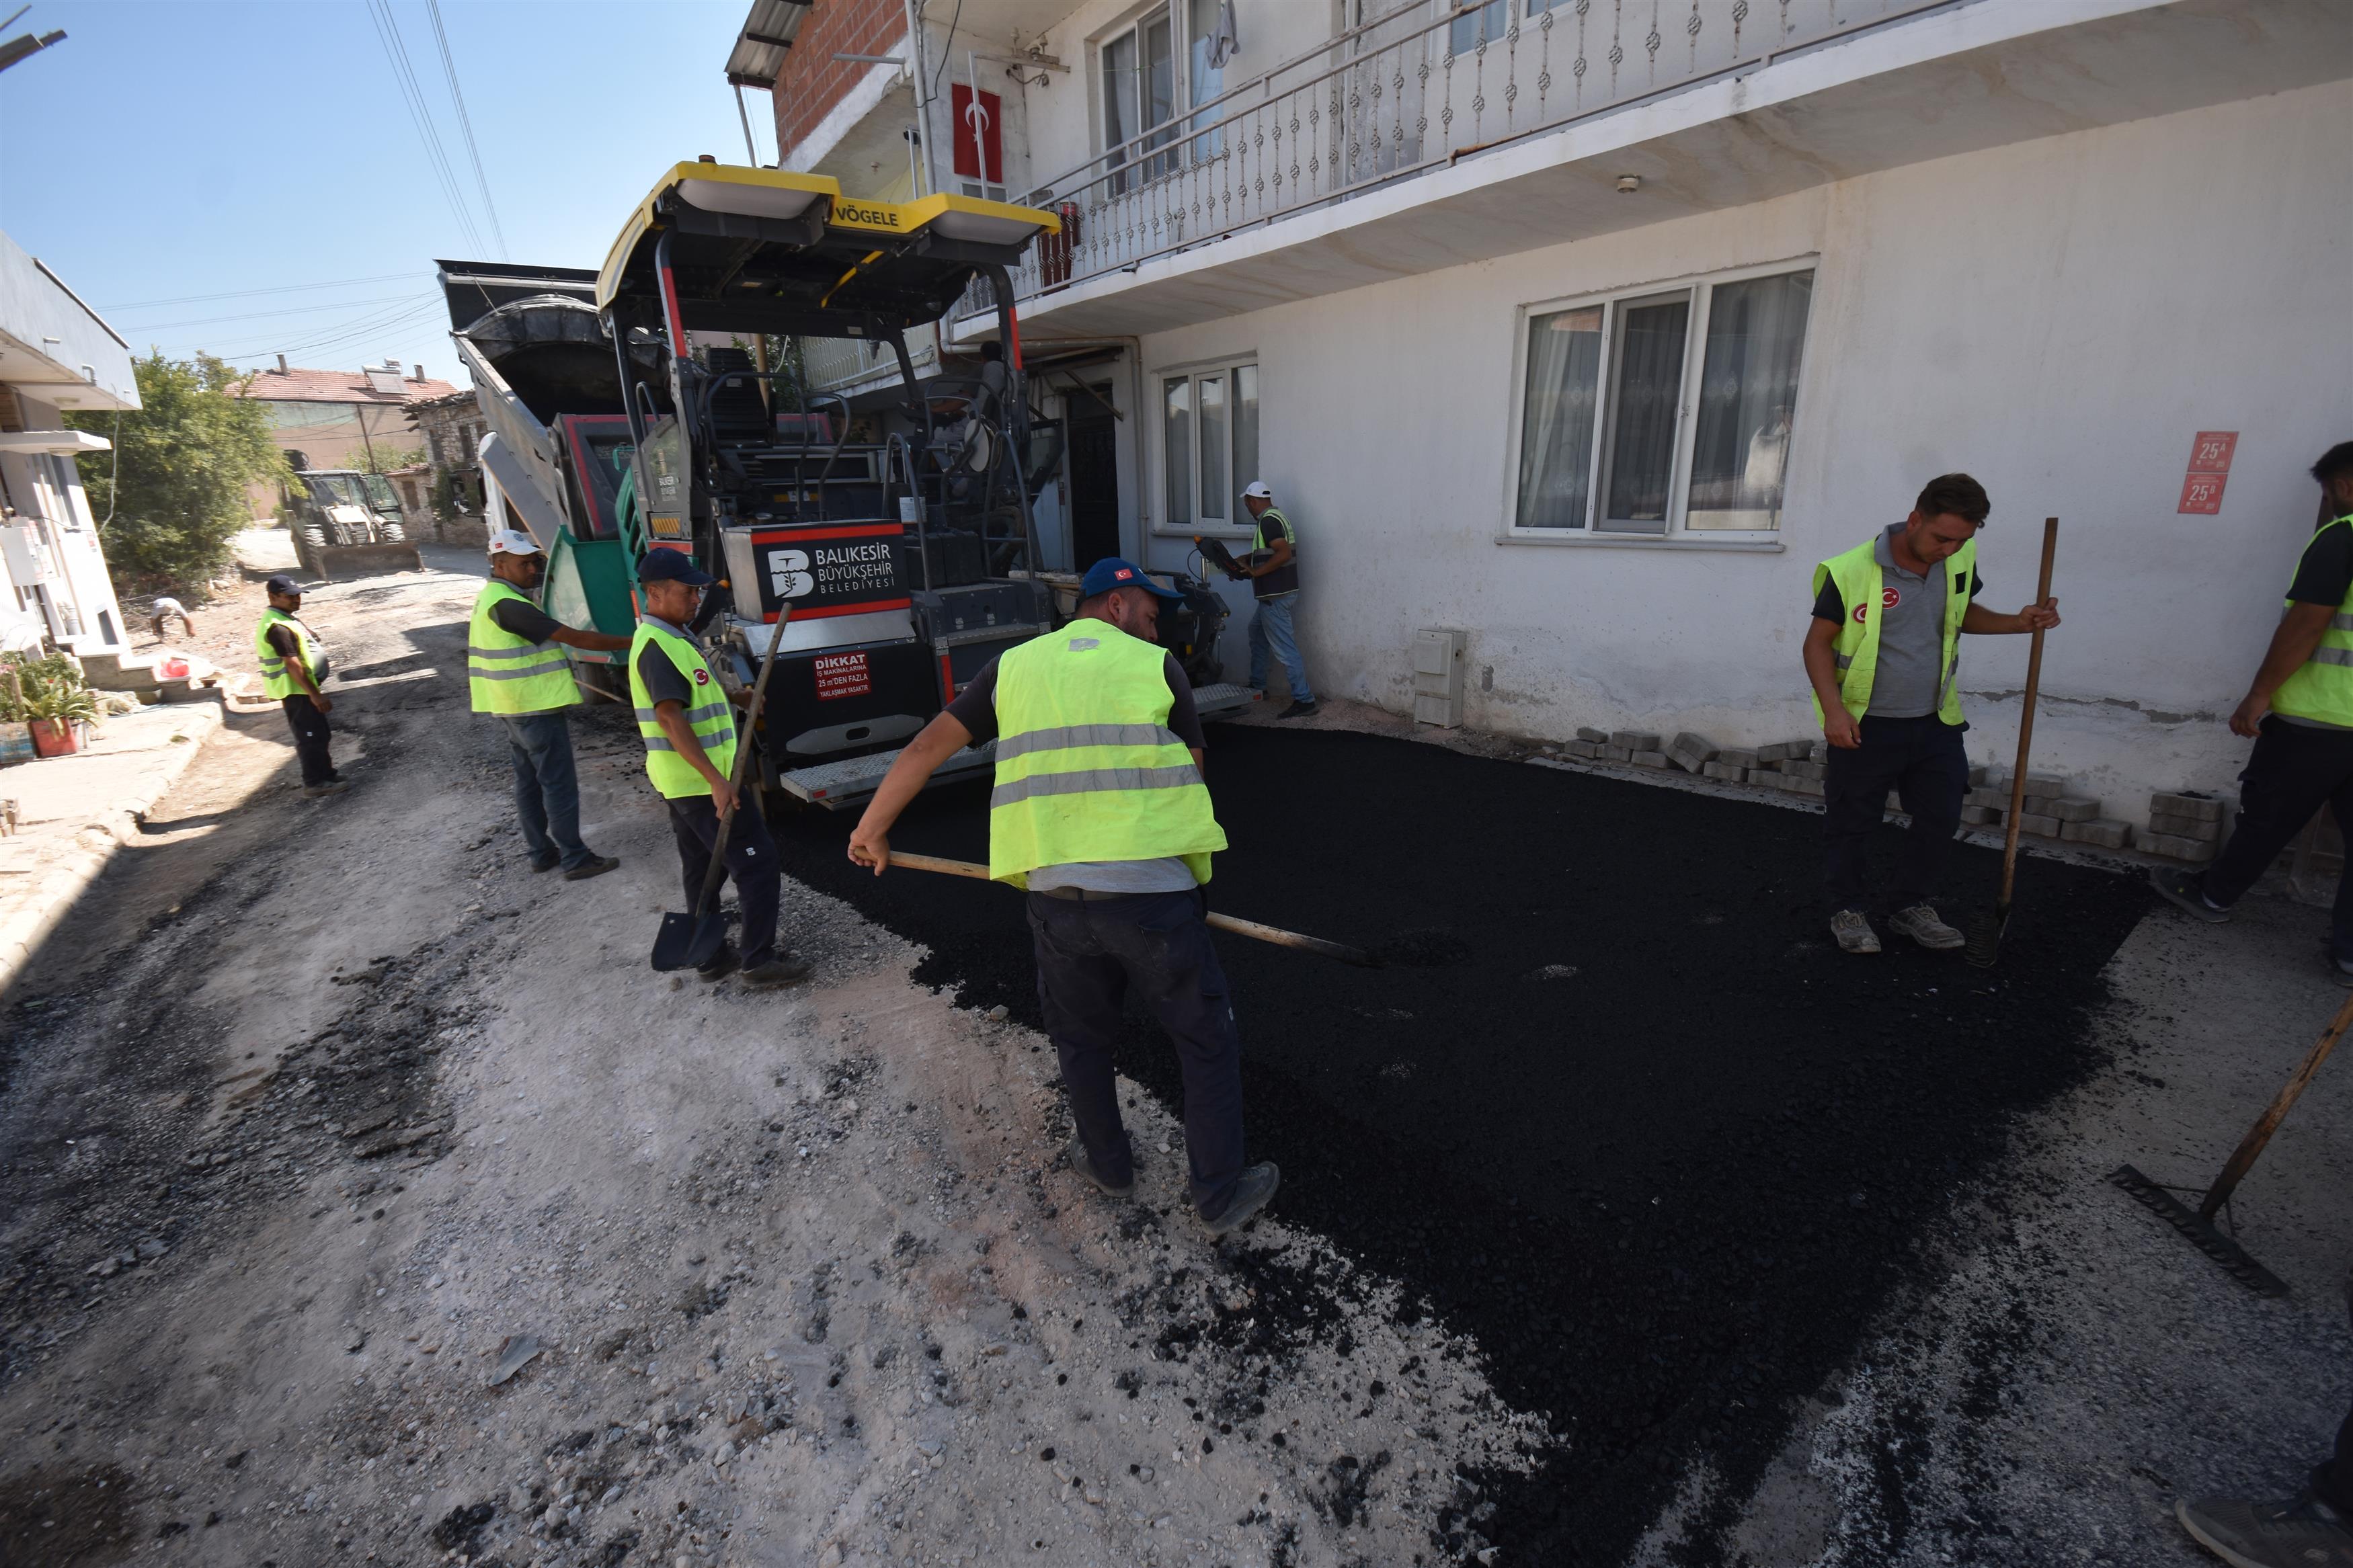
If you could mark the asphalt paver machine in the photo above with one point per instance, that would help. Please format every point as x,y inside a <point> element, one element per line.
<point>909,558</point>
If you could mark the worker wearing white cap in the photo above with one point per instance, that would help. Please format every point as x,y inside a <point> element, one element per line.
<point>516,670</point>
<point>1272,572</point>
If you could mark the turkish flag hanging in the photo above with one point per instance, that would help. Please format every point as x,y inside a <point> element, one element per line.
<point>979,141</point>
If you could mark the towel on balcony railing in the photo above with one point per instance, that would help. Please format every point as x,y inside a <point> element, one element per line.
<point>1228,42</point>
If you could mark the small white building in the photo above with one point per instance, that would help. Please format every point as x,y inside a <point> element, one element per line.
<point>1589,327</point>
<point>56,354</point>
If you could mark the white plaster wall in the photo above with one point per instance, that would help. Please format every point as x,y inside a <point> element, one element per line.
<point>2058,318</point>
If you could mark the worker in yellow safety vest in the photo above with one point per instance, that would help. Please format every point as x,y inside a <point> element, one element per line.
<point>2299,713</point>
<point>1100,813</point>
<point>516,668</point>
<point>688,726</point>
<point>1882,654</point>
<point>293,669</point>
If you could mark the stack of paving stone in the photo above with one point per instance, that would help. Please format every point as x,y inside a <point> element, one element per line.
<point>1790,766</point>
<point>1643,748</point>
<point>2050,810</point>
<point>2187,825</point>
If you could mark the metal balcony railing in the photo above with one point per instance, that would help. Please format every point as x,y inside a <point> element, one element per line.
<point>1412,90</point>
<point>834,362</point>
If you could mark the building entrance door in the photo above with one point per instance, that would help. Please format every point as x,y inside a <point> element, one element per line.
<point>1095,477</point>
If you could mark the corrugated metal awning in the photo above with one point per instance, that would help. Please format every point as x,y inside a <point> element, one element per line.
<point>759,52</point>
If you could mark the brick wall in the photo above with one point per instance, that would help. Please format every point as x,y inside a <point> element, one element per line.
<point>812,81</point>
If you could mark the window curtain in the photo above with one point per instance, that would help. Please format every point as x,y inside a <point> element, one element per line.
<point>1556,424</point>
<point>1756,330</point>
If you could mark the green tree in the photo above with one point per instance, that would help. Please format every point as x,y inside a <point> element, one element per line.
<point>385,458</point>
<point>185,459</point>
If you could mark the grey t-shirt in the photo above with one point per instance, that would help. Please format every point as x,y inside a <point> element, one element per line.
<point>1911,633</point>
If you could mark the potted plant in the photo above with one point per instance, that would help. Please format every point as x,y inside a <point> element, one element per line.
<point>51,697</point>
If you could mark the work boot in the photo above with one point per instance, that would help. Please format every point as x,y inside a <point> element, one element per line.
<point>721,964</point>
<point>547,862</point>
<point>1920,923</point>
<point>784,969</point>
<point>1852,928</point>
<point>1298,710</point>
<point>1085,1167</point>
<point>2186,891</point>
<point>2303,1533</point>
<point>595,866</point>
<point>1257,1184</point>
<point>333,786</point>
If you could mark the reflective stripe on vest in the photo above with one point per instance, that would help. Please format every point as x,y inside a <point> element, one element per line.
<point>2321,689</point>
<point>1855,651</point>
<point>1087,768</point>
<point>275,682</point>
<point>508,674</point>
<point>713,721</point>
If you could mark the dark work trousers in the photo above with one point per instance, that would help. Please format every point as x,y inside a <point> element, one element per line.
<point>1922,759</point>
<point>546,786</point>
<point>2332,1479</point>
<point>2296,770</point>
<point>1089,954</point>
<point>751,861</point>
<point>310,727</point>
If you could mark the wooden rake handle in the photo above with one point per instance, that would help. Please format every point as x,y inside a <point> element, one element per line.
<point>1252,928</point>
<point>2026,720</point>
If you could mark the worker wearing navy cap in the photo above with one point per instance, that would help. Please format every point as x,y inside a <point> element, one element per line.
<point>293,667</point>
<point>1100,813</point>
<point>688,730</point>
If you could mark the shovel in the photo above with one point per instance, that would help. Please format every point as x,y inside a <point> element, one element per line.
<point>689,941</point>
<point>1985,931</point>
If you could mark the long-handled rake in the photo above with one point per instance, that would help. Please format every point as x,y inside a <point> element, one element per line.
<point>1985,931</point>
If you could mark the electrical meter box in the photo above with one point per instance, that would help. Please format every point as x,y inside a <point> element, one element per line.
<point>1439,655</point>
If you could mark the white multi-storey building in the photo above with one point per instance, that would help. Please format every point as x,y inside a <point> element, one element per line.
<point>56,354</point>
<point>1589,327</point>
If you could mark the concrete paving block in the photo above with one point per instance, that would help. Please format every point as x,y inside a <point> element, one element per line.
<point>1979,815</point>
<point>1635,740</point>
<point>2197,807</point>
<point>1978,772</point>
<point>1988,795</point>
<point>1691,751</point>
<point>1801,749</point>
<point>1768,778</point>
<point>1649,759</point>
<point>2107,832</point>
<point>1805,770</point>
<point>2185,826</point>
<point>2040,805</point>
<point>1585,749</point>
<point>1736,757</point>
<point>1723,771</point>
<point>1778,751</point>
<point>2198,850</point>
<point>2075,809</point>
<point>1894,801</point>
<point>2047,786</point>
<point>1614,753</point>
<point>1805,786</point>
<point>1588,732</point>
<point>2039,826</point>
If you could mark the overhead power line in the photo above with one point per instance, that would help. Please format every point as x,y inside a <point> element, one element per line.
<point>262,315</point>
<point>248,293</point>
<point>396,50</point>
<point>466,124</point>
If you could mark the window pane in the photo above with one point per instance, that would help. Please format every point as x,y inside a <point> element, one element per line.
<point>1210,400</point>
<point>1556,423</point>
<point>1177,413</point>
<point>1649,384</point>
<point>1159,86</point>
<point>1120,120</point>
<point>1748,385</point>
<point>1484,26</point>
<point>1245,432</point>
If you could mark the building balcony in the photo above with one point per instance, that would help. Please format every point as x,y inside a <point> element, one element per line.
<point>1409,144</point>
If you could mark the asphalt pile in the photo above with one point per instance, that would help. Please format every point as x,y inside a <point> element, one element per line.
<point>1617,1106</point>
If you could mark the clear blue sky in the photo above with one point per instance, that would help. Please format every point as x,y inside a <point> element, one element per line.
<point>191,148</point>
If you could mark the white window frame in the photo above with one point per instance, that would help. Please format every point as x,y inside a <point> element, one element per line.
<point>1178,151</point>
<point>1157,382</point>
<point>1675,535</point>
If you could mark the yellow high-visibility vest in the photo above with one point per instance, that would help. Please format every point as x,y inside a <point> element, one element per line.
<point>2322,687</point>
<point>709,715</point>
<point>1856,648</point>
<point>508,674</point>
<point>1087,768</point>
<point>275,681</point>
